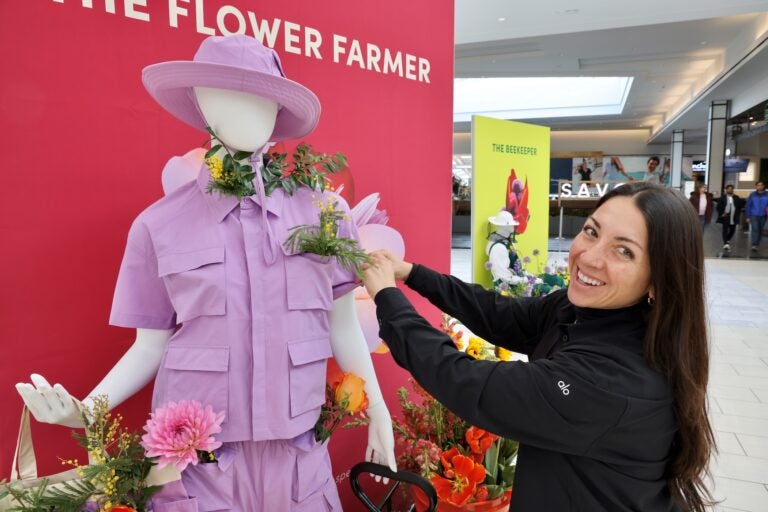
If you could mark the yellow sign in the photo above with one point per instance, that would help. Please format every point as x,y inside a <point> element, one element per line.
<point>510,172</point>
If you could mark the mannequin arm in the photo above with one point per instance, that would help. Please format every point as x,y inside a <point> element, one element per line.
<point>351,352</point>
<point>53,404</point>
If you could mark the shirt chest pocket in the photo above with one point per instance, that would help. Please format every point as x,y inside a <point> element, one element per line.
<point>309,281</point>
<point>308,295</point>
<point>195,282</point>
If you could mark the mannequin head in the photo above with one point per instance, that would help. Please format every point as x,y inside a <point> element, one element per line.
<point>503,223</point>
<point>241,120</point>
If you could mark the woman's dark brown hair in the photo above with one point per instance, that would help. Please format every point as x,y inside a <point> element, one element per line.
<point>676,343</point>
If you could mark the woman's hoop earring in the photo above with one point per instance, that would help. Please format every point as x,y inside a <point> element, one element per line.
<point>651,301</point>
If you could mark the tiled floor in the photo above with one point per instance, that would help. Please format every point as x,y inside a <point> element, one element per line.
<point>737,298</point>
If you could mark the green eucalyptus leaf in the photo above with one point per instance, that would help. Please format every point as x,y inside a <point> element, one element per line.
<point>240,155</point>
<point>229,164</point>
<point>269,188</point>
<point>212,151</point>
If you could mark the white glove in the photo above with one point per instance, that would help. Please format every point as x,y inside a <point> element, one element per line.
<point>51,404</point>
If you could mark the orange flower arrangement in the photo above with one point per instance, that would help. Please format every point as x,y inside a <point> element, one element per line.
<point>462,475</point>
<point>479,441</point>
<point>470,468</point>
<point>349,393</point>
<point>344,396</point>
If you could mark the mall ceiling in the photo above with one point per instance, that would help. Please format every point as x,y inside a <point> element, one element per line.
<point>682,54</point>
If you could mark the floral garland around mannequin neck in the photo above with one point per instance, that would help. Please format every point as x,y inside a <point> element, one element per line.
<point>307,169</point>
<point>231,177</point>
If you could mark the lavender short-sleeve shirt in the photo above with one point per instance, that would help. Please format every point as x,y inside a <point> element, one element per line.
<point>253,334</point>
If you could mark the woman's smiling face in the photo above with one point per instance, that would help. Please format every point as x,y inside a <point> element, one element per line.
<point>608,260</point>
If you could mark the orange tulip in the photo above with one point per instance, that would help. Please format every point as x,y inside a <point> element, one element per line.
<point>461,485</point>
<point>479,440</point>
<point>352,388</point>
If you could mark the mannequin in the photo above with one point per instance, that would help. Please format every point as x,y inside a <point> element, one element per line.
<point>244,120</point>
<point>499,245</point>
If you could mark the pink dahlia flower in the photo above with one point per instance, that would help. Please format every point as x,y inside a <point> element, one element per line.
<point>176,431</point>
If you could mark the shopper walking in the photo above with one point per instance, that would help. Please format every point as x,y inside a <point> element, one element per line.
<point>757,210</point>
<point>611,412</point>
<point>728,208</point>
<point>702,202</point>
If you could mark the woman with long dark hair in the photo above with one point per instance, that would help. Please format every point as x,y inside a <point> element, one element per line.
<point>611,410</point>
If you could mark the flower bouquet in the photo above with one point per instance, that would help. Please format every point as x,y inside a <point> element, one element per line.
<point>470,468</point>
<point>123,467</point>
<point>344,397</point>
<point>523,282</point>
<point>322,239</point>
<point>114,480</point>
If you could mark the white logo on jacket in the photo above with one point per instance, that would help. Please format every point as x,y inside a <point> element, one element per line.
<point>564,387</point>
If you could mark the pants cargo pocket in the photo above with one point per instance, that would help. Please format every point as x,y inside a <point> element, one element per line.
<point>312,476</point>
<point>212,486</point>
<point>184,505</point>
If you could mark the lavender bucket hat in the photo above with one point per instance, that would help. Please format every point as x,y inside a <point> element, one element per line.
<point>237,63</point>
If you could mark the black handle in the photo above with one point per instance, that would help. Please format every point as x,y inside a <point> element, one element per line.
<point>384,471</point>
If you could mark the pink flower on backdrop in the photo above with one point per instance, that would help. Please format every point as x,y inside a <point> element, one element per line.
<point>176,431</point>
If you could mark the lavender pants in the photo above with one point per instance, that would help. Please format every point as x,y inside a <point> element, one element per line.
<point>283,475</point>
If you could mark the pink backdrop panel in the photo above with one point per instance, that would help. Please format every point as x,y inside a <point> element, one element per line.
<point>84,146</point>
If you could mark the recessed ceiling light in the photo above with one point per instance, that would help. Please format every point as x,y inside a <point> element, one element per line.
<point>703,43</point>
<point>502,19</point>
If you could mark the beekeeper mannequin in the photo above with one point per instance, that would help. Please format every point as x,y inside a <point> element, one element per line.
<point>500,246</point>
<point>257,322</point>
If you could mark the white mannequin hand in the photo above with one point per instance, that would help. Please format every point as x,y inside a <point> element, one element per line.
<point>381,441</point>
<point>53,404</point>
<point>50,404</point>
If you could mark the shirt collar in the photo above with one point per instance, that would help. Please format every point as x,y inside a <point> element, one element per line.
<point>222,205</point>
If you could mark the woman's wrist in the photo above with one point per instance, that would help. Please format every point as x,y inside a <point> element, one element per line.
<point>405,272</point>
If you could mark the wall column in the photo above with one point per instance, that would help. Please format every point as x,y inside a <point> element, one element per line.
<point>718,116</point>
<point>676,170</point>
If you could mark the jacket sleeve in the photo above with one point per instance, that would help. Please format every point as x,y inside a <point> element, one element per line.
<point>720,205</point>
<point>513,323</point>
<point>548,403</point>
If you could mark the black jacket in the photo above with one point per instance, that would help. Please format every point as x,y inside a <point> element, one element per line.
<point>595,423</point>
<point>722,201</point>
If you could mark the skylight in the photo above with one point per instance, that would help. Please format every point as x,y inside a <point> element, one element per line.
<point>539,97</point>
